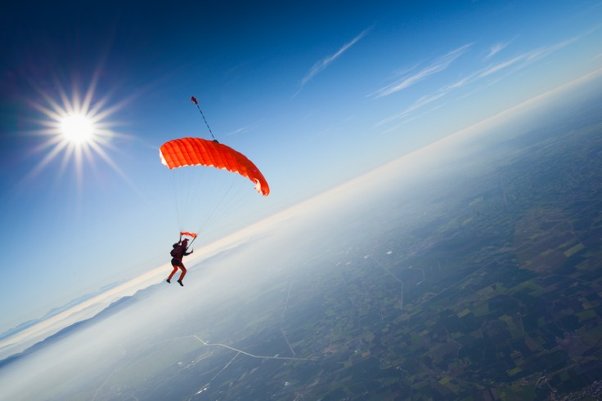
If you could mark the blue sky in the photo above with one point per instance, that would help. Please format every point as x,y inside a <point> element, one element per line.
<point>314,92</point>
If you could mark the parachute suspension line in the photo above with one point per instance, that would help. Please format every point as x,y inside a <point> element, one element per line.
<point>214,210</point>
<point>176,201</point>
<point>196,102</point>
<point>195,181</point>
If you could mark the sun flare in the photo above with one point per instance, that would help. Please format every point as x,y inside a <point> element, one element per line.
<point>77,130</point>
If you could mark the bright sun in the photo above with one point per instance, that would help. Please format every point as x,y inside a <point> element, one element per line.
<point>77,129</point>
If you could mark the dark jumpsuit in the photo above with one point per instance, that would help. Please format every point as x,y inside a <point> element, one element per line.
<point>178,252</point>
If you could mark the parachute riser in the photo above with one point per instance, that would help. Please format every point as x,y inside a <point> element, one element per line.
<point>191,242</point>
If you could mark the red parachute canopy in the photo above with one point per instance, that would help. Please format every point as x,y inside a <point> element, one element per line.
<point>202,152</point>
<point>188,234</point>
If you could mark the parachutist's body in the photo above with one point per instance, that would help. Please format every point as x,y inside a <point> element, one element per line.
<point>177,253</point>
<point>194,151</point>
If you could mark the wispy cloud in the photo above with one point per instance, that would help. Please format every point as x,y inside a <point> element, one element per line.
<point>510,66</point>
<point>516,63</point>
<point>494,68</point>
<point>237,131</point>
<point>440,64</point>
<point>496,48</point>
<point>418,104</point>
<point>322,64</point>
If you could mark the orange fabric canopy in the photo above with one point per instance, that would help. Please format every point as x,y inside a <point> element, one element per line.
<point>202,152</point>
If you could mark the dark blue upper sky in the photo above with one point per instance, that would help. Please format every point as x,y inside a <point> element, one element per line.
<point>314,92</point>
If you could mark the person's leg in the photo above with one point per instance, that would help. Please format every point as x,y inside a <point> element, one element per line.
<point>175,269</point>
<point>182,274</point>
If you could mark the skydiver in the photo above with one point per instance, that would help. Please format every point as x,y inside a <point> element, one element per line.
<point>177,253</point>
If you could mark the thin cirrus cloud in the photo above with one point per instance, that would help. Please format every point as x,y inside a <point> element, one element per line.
<point>322,64</point>
<point>439,65</point>
<point>511,66</point>
<point>417,105</point>
<point>496,48</point>
<point>517,63</point>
